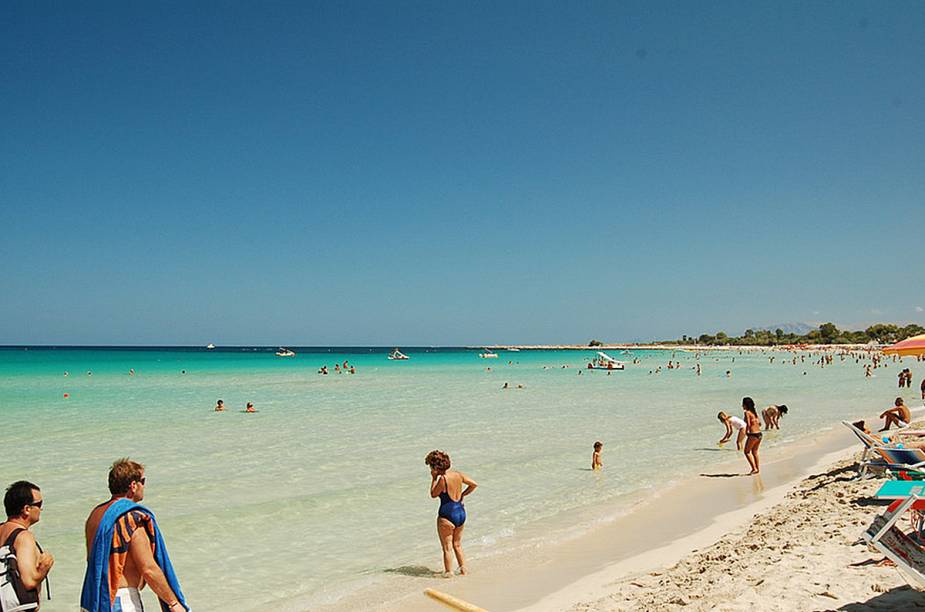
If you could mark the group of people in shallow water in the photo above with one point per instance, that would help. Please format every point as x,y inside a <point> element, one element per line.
<point>748,429</point>
<point>220,407</point>
<point>338,368</point>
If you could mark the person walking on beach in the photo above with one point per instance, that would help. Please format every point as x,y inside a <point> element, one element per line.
<point>752,434</point>
<point>451,517</point>
<point>898,415</point>
<point>732,423</point>
<point>23,504</point>
<point>125,550</point>
<point>923,388</point>
<point>596,456</point>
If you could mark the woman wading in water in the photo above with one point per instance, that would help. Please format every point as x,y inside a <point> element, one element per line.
<point>451,518</point>
<point>752,434</point>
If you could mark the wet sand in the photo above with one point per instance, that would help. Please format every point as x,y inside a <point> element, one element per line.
<point>658,531</point>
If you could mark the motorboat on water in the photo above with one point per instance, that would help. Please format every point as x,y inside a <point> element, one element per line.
<point>603,361</point>
<point>488,355</point>
<point>284,352</point>
<point>397,355</point>
<point>513,349</point>
<point>210,347</point>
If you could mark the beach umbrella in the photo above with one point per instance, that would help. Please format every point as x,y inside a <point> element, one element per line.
<point>910,346</point>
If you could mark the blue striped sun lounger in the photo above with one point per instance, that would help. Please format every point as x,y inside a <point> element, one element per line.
<point>909,458</point>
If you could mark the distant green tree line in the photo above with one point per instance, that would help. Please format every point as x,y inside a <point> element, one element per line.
<point>827,333</point>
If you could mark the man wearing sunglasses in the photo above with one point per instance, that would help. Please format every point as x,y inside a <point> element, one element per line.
<point>125,551</point>
<point>23,503</point>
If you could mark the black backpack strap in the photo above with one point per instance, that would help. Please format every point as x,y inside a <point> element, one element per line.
<point>10,540</point>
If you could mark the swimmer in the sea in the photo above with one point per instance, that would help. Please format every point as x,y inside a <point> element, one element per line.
<point>596,456</point>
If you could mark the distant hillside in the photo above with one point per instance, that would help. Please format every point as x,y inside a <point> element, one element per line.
<point>800,328</point>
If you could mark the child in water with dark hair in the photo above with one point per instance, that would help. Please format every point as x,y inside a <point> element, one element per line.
<point>596,456</point>
<point>752,434</point>
<point>448,484</point>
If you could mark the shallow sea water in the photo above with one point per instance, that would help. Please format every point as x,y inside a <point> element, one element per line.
<point>324,490</point>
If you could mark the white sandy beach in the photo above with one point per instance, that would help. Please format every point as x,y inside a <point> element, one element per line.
<point>804,553</point>
<point>785,541</point>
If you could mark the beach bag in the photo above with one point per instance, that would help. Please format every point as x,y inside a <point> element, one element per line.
<point>14,597</point>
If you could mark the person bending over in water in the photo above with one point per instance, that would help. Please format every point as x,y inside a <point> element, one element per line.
<point>451,517</point>
<point>899,415</point>
<point>219,406</point>
<point>752,434</point>
<point>772,415</point>
<point>732,423</point>
<point>596,456</point>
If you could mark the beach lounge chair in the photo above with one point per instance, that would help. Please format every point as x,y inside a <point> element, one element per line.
<point>906,460</point>
<point>900,489</point>
<point>885,536</point>
<point>907,474</point>
<point>902,458</point>
<point>869,459</point>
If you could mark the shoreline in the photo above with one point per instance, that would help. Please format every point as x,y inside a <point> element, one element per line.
<point>660,529</point>
<point>599,585</point>
<point>690,348</point>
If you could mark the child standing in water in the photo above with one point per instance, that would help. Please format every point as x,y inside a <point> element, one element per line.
<point>596,457</point>
<point>752,434</point>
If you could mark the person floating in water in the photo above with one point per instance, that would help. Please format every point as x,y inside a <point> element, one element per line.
<point>596,456</point>
<point>219,406</point>
<point>451,517</point>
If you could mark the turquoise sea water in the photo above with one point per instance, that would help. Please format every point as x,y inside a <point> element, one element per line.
<point>324,490</point>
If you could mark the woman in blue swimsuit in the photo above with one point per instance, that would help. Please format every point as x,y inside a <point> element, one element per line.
<point>451,518</point>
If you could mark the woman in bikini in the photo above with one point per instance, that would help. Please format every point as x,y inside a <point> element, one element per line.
<point>451,518</point>
<point>752,434</point>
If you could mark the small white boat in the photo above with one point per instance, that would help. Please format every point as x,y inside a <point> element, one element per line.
<point>284,352</point>
<point>605,362</point>
<point>513,349</point>
<point>397,355</point>
<point>210,347</point>
<point>488,355</point>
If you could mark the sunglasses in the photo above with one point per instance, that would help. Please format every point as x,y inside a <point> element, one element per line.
<point>37,504</point>
<point>142,479</point>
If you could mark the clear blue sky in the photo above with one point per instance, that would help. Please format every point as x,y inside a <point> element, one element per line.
<point>433,173</point>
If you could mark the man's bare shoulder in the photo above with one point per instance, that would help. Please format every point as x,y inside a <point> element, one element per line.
<point>24,536</point>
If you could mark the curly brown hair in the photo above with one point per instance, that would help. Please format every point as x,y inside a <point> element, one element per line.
<point>438,460</point>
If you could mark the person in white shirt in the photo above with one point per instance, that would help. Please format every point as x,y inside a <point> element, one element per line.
<point>732,424</point>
